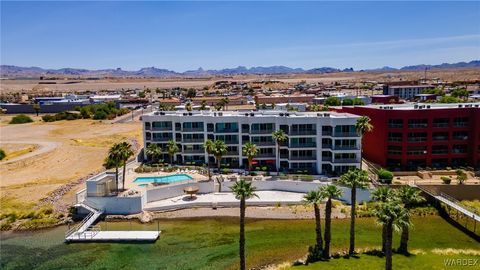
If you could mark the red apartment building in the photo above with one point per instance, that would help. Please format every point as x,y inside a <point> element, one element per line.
<point>411,136</point>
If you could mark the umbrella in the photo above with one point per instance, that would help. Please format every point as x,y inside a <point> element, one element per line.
<point>191,190</point>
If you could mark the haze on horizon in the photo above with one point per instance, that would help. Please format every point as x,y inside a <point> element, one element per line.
<point>214,35</point>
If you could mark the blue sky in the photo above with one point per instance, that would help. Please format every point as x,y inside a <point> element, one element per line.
<point>188,35</point>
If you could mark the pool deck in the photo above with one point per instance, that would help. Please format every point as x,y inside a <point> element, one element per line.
<point>225,199</point>
<point>114,236</point>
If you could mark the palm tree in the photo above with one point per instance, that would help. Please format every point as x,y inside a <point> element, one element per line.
<point>243,190</point>
<point>383,194</point>
<point>36,108</point>
<point>392,215</point>
<point>363,126</point>
<point>114,160</point>
<point>279,136</point>
<point>210,148</point>
<point>219,152</point>
<point>315,198</point>
<point>329,192</point>
<point>154,151</point>
<point>125,153</point>
<point>203,105</point>
<point>188,106</point>
<point>225,102</point>
<point>172,148</point>
<point>409,196</point>
<point>250,150</point>
<point>354,179</point>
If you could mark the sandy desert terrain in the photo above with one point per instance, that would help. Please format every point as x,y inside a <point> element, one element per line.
<point>64,152</point>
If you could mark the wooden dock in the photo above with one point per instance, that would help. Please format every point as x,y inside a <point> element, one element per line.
<point>113,236</point>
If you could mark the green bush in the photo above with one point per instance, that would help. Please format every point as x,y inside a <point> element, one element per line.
<point>61,116</point>
<point>100,115</point>
<point>2,154</point>
<point>446,180</point>
<point>21,119</point>
<point>385,176</point>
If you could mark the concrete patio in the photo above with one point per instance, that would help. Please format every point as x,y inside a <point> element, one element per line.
<point>224,199</point>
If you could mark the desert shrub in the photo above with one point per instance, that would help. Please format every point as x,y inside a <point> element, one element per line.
<point>48,118</point>
<point>21,119</point>
<point>385,176</point>
<point>100,115</point>
<point>2,154</point>
<point>314,254</point>
<point>446,180</point>
<point>461,176</point>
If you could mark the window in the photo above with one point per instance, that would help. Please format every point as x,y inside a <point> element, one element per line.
<point>303,129</point>
<point>303,142</point>
<point>417,123</point>
<point>440,136</point>
<point>459,149</point>
<point>262,140</point>
<point>394,137</point>
<point>416,150</point>
<point>226,127</point>
<point>460,135</point>
<point>394,150</point>
<point>440,122</point>
<point>193,126</point>
<point>417,136</point>
<point>439,149</point>
<point>263,128</point>
<point>395,123</point>
<point>460,121</point>
<point>327,130</point>
<point>162,125</point>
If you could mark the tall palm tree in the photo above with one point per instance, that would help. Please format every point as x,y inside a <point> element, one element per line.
<point>250,150</point>
<point>354,179</point>
<point>114,160</point>
<point>210,148</point>
<point>314,198</point>
<point>225,102</point>
<point>219,151</point>
<point>125,153</point>
<point>409,196</point>
<point>172,148</point>
<point>279,136</point>
<point>382,195</point>
<point>392,215</point>
<point>363,126</point>
<point>243,190</point>
<point>329,192</point>
<point>154,151</point>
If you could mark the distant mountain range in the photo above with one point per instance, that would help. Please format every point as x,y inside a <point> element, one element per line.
<point>32,72</point>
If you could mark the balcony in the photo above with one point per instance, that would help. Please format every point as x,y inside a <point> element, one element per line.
<point>440,152</point>
<point>303,158</point>
<point>345,147</point>
<point>346,134</point>
<point>303,132</point>
<point>440,125</point>
<point>231,142</point>
<point>193,140</point>
<point>394,152</point>
<point>200,129</point>
<point>395,139</point>
<point>194,151</point>
<point>303,145</point>
<point>326,158</point>
<point>284,156</point>
<point>460,137</point>
<point>265,155</point>
<point>460,124</point>
<point>227,130</point>
<point>261,131</point>
<point>328,146</point>
<point>232,153</point>
<point>420,125</point>
<point>162,139</point>
<point>346,160</point>
<point>264,143</point>
<point>327,133</point>
<point>440,138</point>
<point>395,125</point>
<point>161,128</point>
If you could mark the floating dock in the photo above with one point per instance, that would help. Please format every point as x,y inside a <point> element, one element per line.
<point>113,236</point>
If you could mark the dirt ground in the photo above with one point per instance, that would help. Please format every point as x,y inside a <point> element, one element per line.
<point>66,152</point>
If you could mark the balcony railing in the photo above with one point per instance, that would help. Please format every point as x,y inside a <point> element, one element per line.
<point>460,124</point>
<point>440,138</point>
<point>346,134</point>
<point>229,130</point>
<point>231,142</point>
<point>162,139</point>
<point>303,157</point>
<point>329,146</point>
<point>395,139</point>
<point>303,145</point>
<point>460,137</point>
<point>161,128</point>
<point>232,153</point>
<point>193,129</point>
<point>417,139</point>
<point>417,125</point>
<point>346,160</point>
<point>440,125</point>
<point>266,155</point>
<point>193,140</point>
<point>264,143</point>
<point>261,131</point>
<point>440,152</point>
<point>395,125</point>
<point>394,153</point>
<point>327,133</point>
<point>326,158</point>
<point>303,132</point>
<point>194,151</point>
<point>345,147</point>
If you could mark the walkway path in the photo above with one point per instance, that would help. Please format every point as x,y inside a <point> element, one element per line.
<point>45,147</point>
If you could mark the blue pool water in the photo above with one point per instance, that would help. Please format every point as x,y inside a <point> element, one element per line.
<point>163,179</point>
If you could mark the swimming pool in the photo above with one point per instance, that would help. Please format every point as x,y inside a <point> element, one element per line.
<point>162,179</point>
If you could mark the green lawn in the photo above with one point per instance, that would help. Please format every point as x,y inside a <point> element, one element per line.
<point>213,244</point>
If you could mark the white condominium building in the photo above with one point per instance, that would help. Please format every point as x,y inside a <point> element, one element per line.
<point>318,143</point>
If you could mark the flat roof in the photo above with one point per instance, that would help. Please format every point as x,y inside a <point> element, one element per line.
<point>261,113</point>
<point>411,86</point>
<point>411,106</point>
